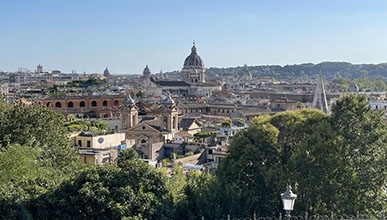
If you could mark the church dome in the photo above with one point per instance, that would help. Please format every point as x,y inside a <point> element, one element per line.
<point>146,71</point>
<point>106,72</point>
<point>193,59</point>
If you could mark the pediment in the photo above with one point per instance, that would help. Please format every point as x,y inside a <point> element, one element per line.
<point>143,127</point>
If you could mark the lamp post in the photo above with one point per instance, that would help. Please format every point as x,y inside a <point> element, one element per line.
<point>288,199</point>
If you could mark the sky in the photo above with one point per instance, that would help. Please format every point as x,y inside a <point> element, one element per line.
<point>125,35</point>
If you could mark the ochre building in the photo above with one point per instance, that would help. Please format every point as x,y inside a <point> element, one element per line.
<point>106,106</point>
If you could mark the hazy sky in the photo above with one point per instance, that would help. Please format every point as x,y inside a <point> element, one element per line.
<point>89,35</point>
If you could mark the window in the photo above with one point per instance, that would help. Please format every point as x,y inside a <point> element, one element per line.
<point>105,103</point>
<point>79,143</point>
<point>116,103</point>
<point>82,104</point>
<point>143,143</point>
<point>94,104</point>
<point>88,144</point>
<point>58,105</point>
<point>70,104</point>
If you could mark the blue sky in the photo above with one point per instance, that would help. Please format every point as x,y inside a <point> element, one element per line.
<point>89,35</point>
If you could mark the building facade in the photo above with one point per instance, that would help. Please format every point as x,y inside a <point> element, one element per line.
<point>101,106</point>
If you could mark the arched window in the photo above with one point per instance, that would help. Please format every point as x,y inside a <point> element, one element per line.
<point>143,143</point>
<point>94,104</point>
<point>58,105</point>
<point>105,103</point>
<point>70,104</point>
<point>48,104</point>
<point>116,103</point>
<point>82,104</point>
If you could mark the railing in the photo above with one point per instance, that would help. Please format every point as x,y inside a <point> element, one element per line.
<point>332,216</point>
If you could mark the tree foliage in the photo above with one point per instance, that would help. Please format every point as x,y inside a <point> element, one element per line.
<point>331,70</point>
<point>132,190</point>
<point>252,173</point>
<point>35,155</point>
<point>334,163</point>
<point>83,125</point>
<point>377,85</point>
<point>37,127</point>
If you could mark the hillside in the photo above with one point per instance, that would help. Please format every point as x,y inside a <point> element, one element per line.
<point>330,70</point>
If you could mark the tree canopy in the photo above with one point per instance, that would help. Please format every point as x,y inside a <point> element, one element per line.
<point>334,162</point>
<point>35,155</point>
<point>131,190</point>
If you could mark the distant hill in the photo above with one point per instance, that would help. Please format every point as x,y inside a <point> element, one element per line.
<point>330,70</point>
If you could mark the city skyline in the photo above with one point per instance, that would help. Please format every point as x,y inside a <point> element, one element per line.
<point>125,36</point>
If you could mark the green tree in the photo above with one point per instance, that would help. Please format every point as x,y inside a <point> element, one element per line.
<point>199,197</point>
<point>35,155</point>
<point>176,185</point>
<point>38,127</point>
<point>249,174</point>
<point>361,138</point>
<point>131,190</point>
<point>340,166</point>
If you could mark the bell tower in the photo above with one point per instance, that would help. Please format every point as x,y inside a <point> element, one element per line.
<point>169,115</point>
<point>129,113</point>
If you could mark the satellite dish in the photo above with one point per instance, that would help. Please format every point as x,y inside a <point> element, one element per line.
<point>100,140</point>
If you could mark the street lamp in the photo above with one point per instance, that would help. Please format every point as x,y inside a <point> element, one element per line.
<point>288,199</point>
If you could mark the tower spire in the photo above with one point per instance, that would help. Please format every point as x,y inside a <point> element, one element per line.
<point>320,98</point>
